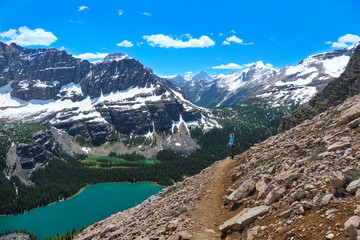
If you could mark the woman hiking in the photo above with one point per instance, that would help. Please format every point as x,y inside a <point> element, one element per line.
<point>231,146</point>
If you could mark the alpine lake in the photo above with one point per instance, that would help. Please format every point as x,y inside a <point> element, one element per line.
<point>94,203</point>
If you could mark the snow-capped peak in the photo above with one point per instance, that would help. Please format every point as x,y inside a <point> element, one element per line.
<point>115,57</point>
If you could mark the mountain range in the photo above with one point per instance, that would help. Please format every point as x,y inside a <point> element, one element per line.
<point>92,101</point>
<point>189,77</point>
<point>262,83</point>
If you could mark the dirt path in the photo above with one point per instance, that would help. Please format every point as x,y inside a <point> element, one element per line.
<point>208,212</point>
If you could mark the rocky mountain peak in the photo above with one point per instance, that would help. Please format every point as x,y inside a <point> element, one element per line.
<point>201,76</point>
<point>347,85</point>
<point>91,101</point>
<point>115,57</point>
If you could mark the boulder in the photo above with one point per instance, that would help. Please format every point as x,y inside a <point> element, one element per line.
<point>245,217</point>
<point>262,189</point>
<point>274,195</point>
<point>338,145</point>
<point>251,233</point>
<point>172,225</point>
<point>337,181</point>
<point>185,235</point>
<point>353,124</point>
<point>242,191</point>
<point>327,199</point>
<point>352,226</point>
<point>353,186</point>
<point>347,152</point>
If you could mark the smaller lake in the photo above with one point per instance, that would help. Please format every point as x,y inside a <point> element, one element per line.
<point>93,204</point>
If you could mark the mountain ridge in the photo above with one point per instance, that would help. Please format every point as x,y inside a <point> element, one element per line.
<point>346,85</point>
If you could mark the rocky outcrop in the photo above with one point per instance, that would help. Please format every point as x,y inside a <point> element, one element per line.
<point>337,91</point>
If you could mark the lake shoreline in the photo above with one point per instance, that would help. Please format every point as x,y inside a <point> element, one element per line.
<point>77,193</point>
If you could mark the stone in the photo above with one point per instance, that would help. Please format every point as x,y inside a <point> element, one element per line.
<point>337,181</point>
<point>347,152</point>
<point>172,225</point>
<point>325,154</point>
<point>262,189</point>
<point>242,191</point>
<point>286,213</point>
<point>245,217</point>
<point>307,205</point>
<point>330,236</point>
<point>352,227</point>
<point>338,145</point>
<point>327,199</point>
<point>353,186</point>
<point>357,210</point>
<point>185,235</point>
<point>252,232</point>
<point>357,193</point>
<point>274,195</point>
<point>354,123</point>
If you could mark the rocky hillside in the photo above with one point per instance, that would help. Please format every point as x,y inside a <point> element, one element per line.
<point>347,85</point>
<point>300,184</point>
<point>116,97</point>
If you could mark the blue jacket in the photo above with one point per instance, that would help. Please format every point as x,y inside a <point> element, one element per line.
<point>231,142</point>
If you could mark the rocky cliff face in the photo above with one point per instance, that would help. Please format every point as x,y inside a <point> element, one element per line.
<point>347,85</point>
<point>92,101</point>
<point>302,183</point>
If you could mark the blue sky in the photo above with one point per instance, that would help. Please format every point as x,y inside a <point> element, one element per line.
<point>175,37</point>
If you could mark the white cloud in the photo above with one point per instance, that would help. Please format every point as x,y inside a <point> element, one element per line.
<point>8,34</point>
<point>221,34</point>
<point>235,39</point>
<point>248,64</point>
<point>82,8</point>
<point>63,48</point>
<point>88,56</point>
<point>228,66</point>
<point>145,13</point>
<point>339,45</point>
<point>28,37</point>
<point>162,40</point>
<point>345,41</point>
<point>125,43</point>
<point>139,44</point>
<point>120,12</point>
<point>233,31</point>
<point>237,66</point>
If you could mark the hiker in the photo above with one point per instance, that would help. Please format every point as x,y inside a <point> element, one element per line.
<point>231,146</point>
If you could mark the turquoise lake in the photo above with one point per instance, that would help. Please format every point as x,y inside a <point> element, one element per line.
<point>93,204</point>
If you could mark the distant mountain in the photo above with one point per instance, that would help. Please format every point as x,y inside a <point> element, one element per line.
<point>264,84</point>
<point>228,89</point>
<point>177,80</point>
<point>336,92</point>
<point>298,84</point>
<point>189,77</point>
<point>201,76</point>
